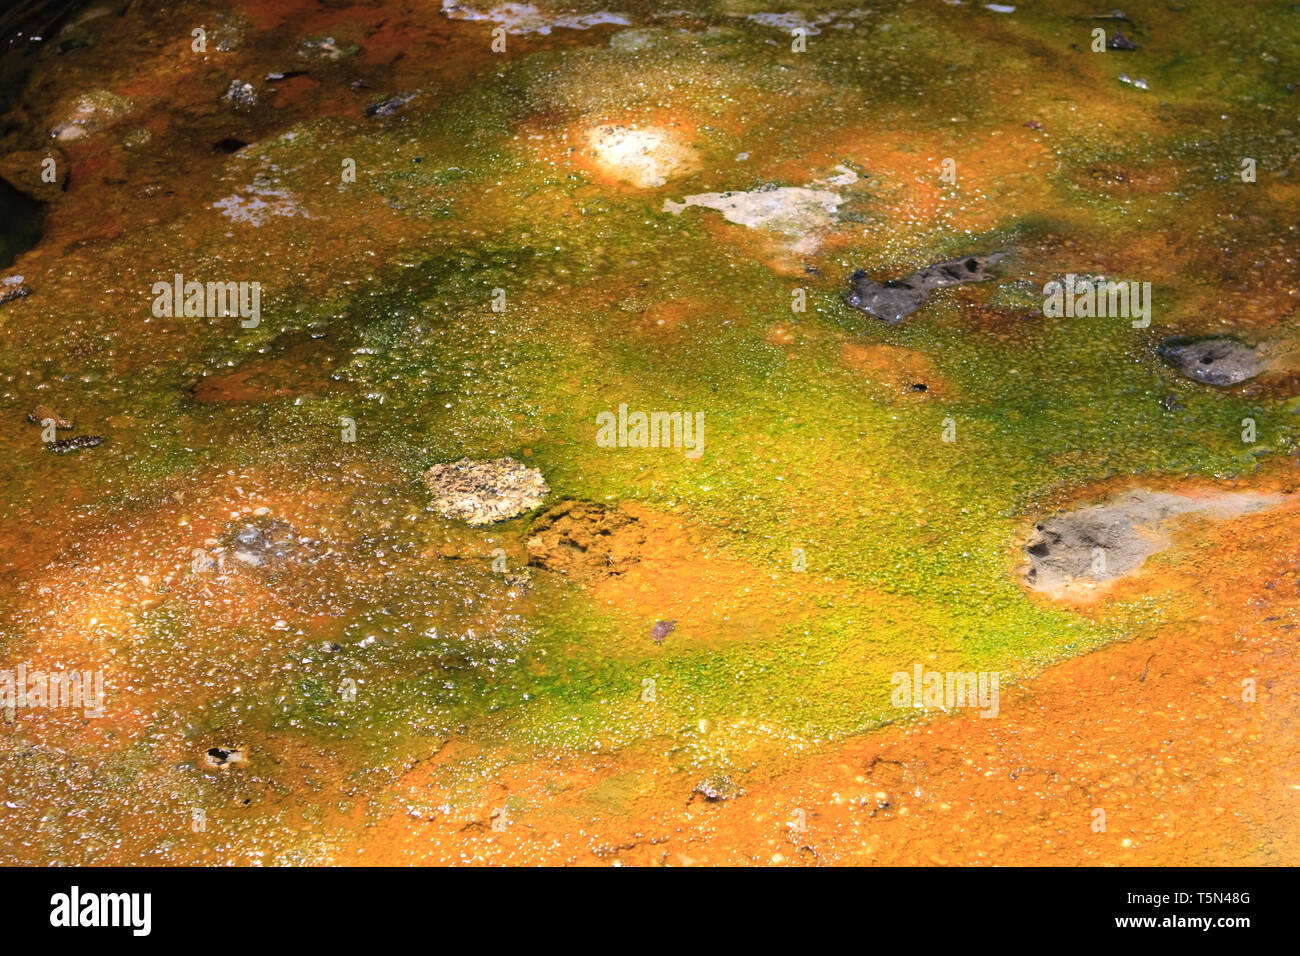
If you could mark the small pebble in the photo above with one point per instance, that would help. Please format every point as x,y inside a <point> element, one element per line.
<point>241,94</point>
<point>391,105</point>
<point>12,288</point>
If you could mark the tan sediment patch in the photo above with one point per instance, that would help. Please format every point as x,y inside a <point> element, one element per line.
<point>673,320</point>
<point>682,575</point>
<point>585,540</point>
<point>895,368</point>
<point>994,169</point>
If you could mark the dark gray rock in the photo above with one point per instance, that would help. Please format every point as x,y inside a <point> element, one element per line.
<point>13,288</point>
<point>1213,361</point>
<point>391,105</point>
<point>894,300</point>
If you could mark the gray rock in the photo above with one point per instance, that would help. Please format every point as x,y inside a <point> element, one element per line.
<point>717,787</point>
<point>391,105</point>
<point>1213,361</point>
<point>90,113</point>
<point>661,630</point>
<point>223,758</point>
<point>13,288</point>
<point>64,445</point>
<point>894,300</point>
<point>1101,542</point>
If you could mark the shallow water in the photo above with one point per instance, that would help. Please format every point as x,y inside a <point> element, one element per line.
<point>509,262</point>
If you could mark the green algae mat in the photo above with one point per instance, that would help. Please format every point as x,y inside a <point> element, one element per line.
<point>283,259</point>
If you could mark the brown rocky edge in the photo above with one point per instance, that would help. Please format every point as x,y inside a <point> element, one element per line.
<point>585,541</point>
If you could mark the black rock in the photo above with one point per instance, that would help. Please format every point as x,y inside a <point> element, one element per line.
<point>72,444</point>
<point>222,758</point>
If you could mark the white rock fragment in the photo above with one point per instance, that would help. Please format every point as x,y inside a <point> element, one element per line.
<point>790,22</point>
<point>795,211</point>
<point>256,204</point>
<point>844,177</point>
<point>523,18</point>
<point>646,157</point>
